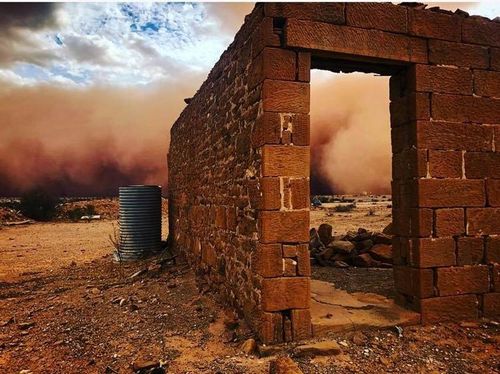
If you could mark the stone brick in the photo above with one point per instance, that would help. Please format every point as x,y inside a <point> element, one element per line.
<point>432,252</point>
<point>496,130</point>
<point>271,197</point>
<point>483,221</point>
<point>321,12</point>
<point>448,193</point>
<point>285,293</point>
<point>495,277</point>
<point>287,194</point>
<point>421,222</point>
<point>284,226</point>
<point>284,96</point>
<point>434,25</point>
<point>455,108</point>
<point>273,63</point>
<point>440,79</point>
<point>289,161</point>
<point>487,83</point>
<point>414,282</point>
<point>450,222</point>
<point>355,41</point>
<point>304,261</point>
<point>403,137</point>
<point>208,255</point>
<point>268,261</point>
<point>267,129</point>
<point>458,54</point>
<point>271,328</point>
<point>287,328</point>
<point>491,304</point>
<point>445,164</point>
<point>493,192</point>
<point>450,308</point>
<point>300,193</point>
<point>220,217</point>
<point>415,106</point>
<point>290,251</point>
<point>300,129</point>
<point>301,324</point>
<point>231,216</point>
<point>482,164</point>
<point>400,250</point>
<point>408,164</point>
<point>493,249</point>
<point>289,267</point>
<point>304,66</point>
<point>462,280</point>
<point>495,58</point>
<point>470,251</point>
<point>481,31</point>
<point>264,36</point>
<point>454,136</point>
<point>379,16</point>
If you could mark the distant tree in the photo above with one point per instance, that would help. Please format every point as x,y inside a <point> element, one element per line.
<point>39,204</point>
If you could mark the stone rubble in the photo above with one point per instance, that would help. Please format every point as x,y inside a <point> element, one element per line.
<point>356,248</point>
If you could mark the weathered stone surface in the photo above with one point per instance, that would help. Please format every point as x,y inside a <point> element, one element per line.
<point>435,193</point>
<point>354,41</point>
<point>379,16</point>
<point>325,233</point>
<point>449,308</point>
<point>284,365</point>
<point>285,161</point>
<point>341,246</point>
<point>284,226</point>
<point>239,162</point>
<point>285,293</point>
<point>462,280</point>
<point>382,252</point>
<point>324,348</point>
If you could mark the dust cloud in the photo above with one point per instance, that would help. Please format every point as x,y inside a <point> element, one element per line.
<point>350,133</point>
<point>81,142</point>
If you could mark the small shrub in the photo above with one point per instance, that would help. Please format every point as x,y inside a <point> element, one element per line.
<point>39,205</point>
<point>344,208</point>
<point>371,212</point>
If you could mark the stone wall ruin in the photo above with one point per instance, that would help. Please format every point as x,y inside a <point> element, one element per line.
<point>239,158</point>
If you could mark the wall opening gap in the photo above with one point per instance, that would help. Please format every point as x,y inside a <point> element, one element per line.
<point>352,276</point>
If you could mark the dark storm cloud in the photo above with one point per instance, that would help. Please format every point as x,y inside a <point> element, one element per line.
<point>27,15</point>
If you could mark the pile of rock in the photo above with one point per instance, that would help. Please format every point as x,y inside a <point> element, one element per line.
<point>357,248</point>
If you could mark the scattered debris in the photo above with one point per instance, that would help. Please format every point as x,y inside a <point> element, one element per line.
<point>249,346</point>
<point>141,365</point>
<point>324,348</point>
<point>89,218</point>
<point>17,223</point>
<point>7,322</point>
<point>399,330</point>
<point>25,325</point>
<point>284,365</point>
<point>137,273</point>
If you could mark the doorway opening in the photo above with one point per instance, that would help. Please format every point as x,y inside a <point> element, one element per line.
<point>351,231</point>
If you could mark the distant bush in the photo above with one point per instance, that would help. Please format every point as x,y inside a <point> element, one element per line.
<point>77,213</point>
<point>39,205</point>
<point>344,208</point>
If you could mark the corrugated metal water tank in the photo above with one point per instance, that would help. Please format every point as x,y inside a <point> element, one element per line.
<point>140,221</point>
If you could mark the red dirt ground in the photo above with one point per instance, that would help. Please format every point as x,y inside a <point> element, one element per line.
<point>60,279</point>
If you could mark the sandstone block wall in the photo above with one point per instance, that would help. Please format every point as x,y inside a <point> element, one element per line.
<point>239,158</point>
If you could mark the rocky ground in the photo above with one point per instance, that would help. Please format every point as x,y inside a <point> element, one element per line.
<point>80,312</point>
